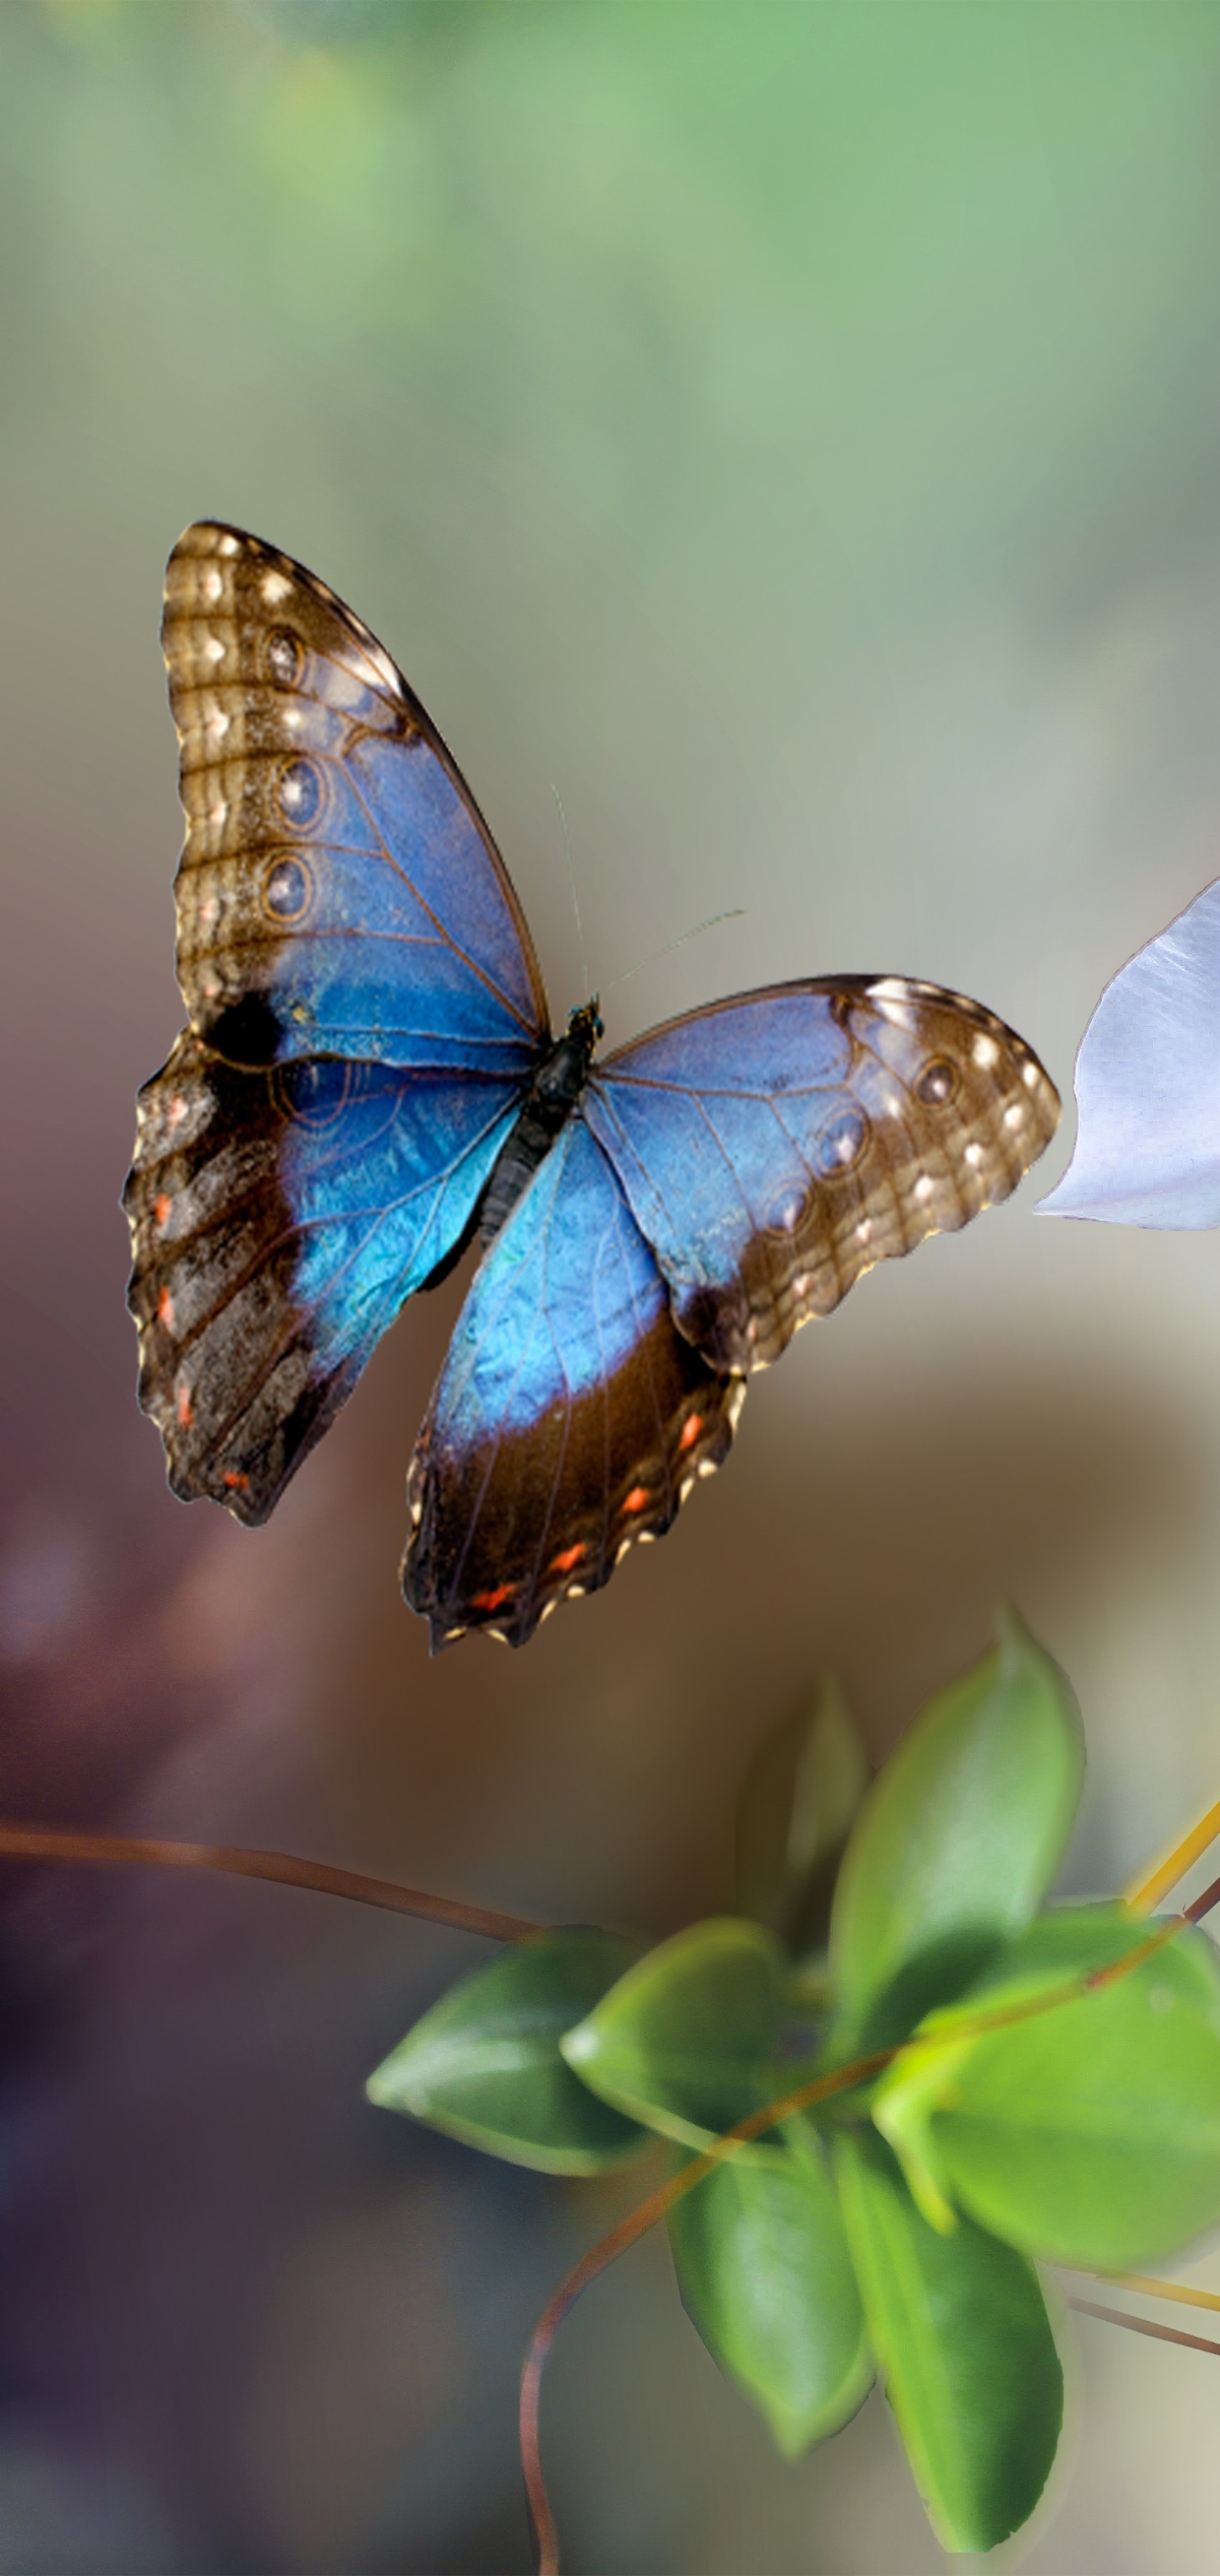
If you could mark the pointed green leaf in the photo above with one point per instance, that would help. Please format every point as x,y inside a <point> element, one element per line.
<point>766,2276</point>
<point>956,1841</point>
<point>1090,2134</point>
<point>801,1793</point>
<point>485,2066</point>
<point>687,2039</point>
<point>960,2326</point>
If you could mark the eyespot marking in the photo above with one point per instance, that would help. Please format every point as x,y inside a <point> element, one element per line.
<point>308,1093</point>
<point>287,889</point>
<point>937,1083</point>
<point>285,657</point>
<point>788,1213</point>
<point>300,793</point>
<point>842,1143</point>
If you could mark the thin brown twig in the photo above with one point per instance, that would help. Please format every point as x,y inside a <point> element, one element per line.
<point>1201,1905</point>
<point>1143,2325</point>
<point>43,1842</point>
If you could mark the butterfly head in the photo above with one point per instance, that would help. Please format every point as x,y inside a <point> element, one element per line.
<point>585,1025</point>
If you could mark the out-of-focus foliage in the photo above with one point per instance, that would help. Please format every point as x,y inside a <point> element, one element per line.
<point>1027,2113</point>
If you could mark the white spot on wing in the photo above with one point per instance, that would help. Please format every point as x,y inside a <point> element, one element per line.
<point>924,1186</point>
<point>275,586</point>
<point>1014,1116</point>
<point>985,1053</point>
<point>888,988</point>
<point>211,584</point>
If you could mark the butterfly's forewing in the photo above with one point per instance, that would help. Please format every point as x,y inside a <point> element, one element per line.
<point>339,893</point>
<point>570,1417</point>
<point>774,1146</point>
<point>279,1218</point>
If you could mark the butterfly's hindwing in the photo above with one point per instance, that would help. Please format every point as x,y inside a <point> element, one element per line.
<point>570,1418</point>
<point>339,893</point>
<point>279,1218</point>
<point>774,1146</point>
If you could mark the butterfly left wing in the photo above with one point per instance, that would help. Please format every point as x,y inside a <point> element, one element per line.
<point>570,1418</point>
<point>772,1147</point>
<point>339,892</point>
<point>279,1218</point>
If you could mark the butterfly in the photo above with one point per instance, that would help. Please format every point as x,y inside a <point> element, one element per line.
<point>368,1082</point>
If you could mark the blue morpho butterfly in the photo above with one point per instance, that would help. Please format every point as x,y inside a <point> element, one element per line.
<point>368,1080</point>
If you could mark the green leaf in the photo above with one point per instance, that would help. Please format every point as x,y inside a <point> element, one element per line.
<point>955,1842</point>
<point>485,2066</point>
<point>766,2276</point>
<point>687,2040</point>
<point>960,2326</point>
<point>801,1793</point>
<point>1090,2133</point>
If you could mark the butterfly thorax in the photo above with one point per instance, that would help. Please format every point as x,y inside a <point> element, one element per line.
<point>556,1088</point>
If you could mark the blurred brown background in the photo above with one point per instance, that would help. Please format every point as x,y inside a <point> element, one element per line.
<point>793,433</point>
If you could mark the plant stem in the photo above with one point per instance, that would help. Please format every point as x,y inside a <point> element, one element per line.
<point>43,1842</point>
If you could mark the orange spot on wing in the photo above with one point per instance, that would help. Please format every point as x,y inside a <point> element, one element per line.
<point>165,1310</point>
<point>186,1410</point>
<point>177,1110</point>
<point>568,1557</point>
<point>161,1208</point>
<point>691,1429</point>
<point>233,1480</point>
<point>637,1499</point>
<point>495,1599</point>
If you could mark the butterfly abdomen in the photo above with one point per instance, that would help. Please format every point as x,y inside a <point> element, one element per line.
<point>554,1093</point>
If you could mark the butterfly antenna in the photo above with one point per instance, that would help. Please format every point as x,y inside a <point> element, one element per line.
<point>737,914</point>
<point>567,852</point>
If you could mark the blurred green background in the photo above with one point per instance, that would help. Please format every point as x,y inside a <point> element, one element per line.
<point>792,432</point>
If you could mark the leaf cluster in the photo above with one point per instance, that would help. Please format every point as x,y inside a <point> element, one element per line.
<point>1025,2114</point>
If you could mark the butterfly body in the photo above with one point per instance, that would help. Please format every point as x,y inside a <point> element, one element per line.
<point>369,1082</point>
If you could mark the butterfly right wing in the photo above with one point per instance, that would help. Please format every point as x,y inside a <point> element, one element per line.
<point>570,1418</point>
<point>279,1219</point>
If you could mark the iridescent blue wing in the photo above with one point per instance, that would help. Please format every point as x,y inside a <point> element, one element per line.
<point>725,1178</point>
<point>570,1416</point>
<point>772,1147</point>
<point>339,892</point>
<point>366,1012</point>
<point>279,1217</point>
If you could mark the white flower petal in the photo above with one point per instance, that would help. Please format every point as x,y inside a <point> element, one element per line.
<point>1148,1086</point>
